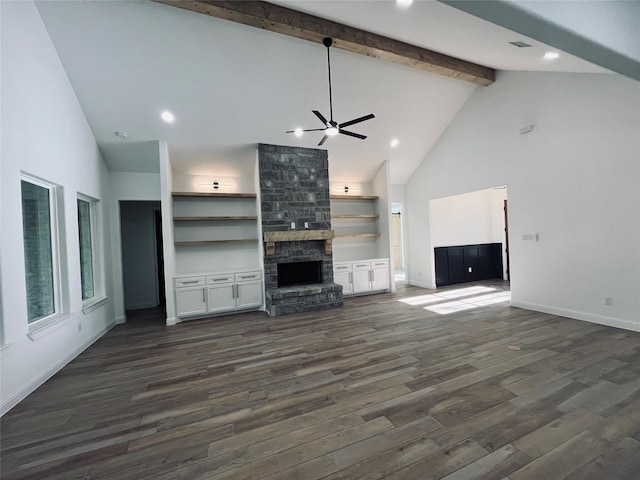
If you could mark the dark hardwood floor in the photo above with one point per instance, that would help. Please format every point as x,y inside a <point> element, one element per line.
<point>382,388</point>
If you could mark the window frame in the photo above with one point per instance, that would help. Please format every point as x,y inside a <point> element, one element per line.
<point>54,226</point>
<point>99,296</point>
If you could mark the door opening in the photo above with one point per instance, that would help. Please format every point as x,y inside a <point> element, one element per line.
<point>506,238</point>
<point>142,259</point>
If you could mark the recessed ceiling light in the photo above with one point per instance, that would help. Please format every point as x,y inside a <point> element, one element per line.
<point>395,142</point>
<point>121,134</point>
<point>167,116</point>
<point>404,3</point>
<point>551,55</point>
<point>298,132</point>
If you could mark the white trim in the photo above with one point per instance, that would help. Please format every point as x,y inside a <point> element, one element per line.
<point>97,254</point>
<point>46,325</point>
<point>121,320</point>
<point>54,205</point>
<point>420,284</point>
<point>172,321</point>
<point>11,401</point>
<point>584,316</point>
<point>96,302</point>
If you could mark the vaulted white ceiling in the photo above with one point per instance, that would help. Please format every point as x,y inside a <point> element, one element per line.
<point>232,86</point>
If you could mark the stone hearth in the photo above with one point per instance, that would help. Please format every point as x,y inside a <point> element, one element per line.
<point>294,188</point>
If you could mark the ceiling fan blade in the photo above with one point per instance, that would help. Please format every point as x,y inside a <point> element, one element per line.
<point>324,139</point>
<point>351,134</point>
<point>320,116</point>
<point>357,120</point>
<point>308,130</point>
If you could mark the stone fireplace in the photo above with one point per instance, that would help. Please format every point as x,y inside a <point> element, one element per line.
<point>298,264</point>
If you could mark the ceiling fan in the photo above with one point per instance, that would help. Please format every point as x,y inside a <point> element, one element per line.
<point>332,127</point>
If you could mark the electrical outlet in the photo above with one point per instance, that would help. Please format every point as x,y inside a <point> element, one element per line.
<point>293,225</point>
<point>306,224</point>
<point>608,301</point>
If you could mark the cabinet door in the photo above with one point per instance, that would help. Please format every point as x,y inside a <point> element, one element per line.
<point>343,278</point>
<point>361,281</point>
<point>221,298</point>
<point>380,278</point>
<point>248,294</point>
<point>190,301</point>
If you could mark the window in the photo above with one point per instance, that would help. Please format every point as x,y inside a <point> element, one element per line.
<point>39,228</point>
<point>86,237</point>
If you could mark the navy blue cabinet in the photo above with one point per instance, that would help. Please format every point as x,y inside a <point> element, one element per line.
<point>468,263</point>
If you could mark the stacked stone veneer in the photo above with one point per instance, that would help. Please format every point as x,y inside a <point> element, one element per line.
<point>294,187</point>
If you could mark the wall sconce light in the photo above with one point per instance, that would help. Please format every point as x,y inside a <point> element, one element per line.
<point>347,189</point>
<point>215,184</point>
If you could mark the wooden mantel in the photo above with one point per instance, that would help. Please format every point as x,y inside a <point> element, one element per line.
<point>271,238</point>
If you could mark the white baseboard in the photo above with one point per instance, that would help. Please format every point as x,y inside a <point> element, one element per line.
<point>120,320</point>
<point>421,284</point>
<point>584,316</point>
<point>24,391</point>
<point>171,321</point>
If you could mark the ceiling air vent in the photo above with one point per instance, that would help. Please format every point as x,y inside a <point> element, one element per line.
<point>520,44</point>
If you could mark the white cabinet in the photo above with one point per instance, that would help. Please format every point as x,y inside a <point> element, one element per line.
<point>379,274</point>
<point>219,293</point>
<point>220,298</point>
<point>361,277</point>
<point>364,276</point>
<point>342,276</point>
<point>248,294</point>
<point>190,301</point>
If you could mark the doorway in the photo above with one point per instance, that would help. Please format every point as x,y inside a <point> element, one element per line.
<point>469,236</point>
<point>397,253</point>
<point>142,258</point>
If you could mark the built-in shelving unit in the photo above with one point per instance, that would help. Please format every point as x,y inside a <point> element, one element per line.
<point>354,216</point>
<point>211,228</point>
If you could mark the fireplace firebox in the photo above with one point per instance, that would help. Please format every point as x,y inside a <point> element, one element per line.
<point>299,273</point>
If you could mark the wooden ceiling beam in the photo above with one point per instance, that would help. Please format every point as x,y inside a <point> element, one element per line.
<point>275,18</point>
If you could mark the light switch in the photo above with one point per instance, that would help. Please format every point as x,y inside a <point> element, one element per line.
<point>293,225</point>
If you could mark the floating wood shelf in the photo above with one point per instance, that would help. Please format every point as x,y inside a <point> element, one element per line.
<point>372,215</point>
<point>213,194</point>
<point>213,242</point>
<point>213,219</point>
<point>353,197</point>
<point>358,235</point>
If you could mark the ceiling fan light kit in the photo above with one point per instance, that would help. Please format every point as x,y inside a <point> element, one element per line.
<point>331,127</point>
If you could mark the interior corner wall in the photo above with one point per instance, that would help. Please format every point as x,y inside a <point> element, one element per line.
<point>45,134</point>
<point>573,181</point>
<point>382,187</point>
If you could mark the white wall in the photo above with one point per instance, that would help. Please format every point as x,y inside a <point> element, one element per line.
<point>126,187</point>
<point>469,219</point>
<point>382,186</point>
<point>44,133</point>
<point>464,219</point>
<point>574,180</point>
